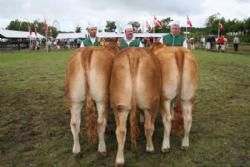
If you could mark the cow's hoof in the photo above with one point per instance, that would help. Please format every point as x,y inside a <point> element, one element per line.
<point>150,150</point>
<point>104,154</point>
<point>184,148</point>
<point>76,150</point>
<point>165,150</point>
<point>119,165</point>
<point>78,155</point>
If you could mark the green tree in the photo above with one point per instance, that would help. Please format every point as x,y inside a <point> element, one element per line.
<point>165,25</point>
<point>110,26</point>
<point>24,26</point>
<point>135,24</point>
<point>78,29</point>
<point>247,25</point>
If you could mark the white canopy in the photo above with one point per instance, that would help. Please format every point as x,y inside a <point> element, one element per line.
<point>155,35</point>
<point>106,35</point>
<point>109,35</point>
<point>70,35</point>
<point>19,34</point>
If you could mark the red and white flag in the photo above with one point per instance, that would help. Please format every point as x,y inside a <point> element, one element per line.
<point>50,32</point>
<point>220,27</point>
<point>29,29</point>
<point>46,27</point>
<point>189,23</point>
<point>148,26</point>
<point>157,22</point>
<point>36,29</point>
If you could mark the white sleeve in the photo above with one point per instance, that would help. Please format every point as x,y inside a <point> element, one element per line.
<point>185,45</point>
<point>161,40</point>
<point>141,45</point>
<point>82,44</point>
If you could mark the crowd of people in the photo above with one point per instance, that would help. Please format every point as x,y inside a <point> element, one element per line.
<point>221,43</point>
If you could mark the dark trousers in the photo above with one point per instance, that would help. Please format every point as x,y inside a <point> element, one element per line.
<point>236,47</point>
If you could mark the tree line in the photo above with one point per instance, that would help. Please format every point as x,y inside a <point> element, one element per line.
<point>241,27</point>
<point>25,25</point>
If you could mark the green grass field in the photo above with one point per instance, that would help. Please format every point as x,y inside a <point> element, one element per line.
<point>34,119</point>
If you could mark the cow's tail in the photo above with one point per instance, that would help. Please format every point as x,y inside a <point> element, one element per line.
<point>134,129</point>
<point>178,118</point>
<point>90,108</point>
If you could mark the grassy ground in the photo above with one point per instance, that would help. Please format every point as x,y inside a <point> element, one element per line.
<point>34,120</point>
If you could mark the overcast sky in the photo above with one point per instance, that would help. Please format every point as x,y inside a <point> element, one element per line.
<point>67,14</point>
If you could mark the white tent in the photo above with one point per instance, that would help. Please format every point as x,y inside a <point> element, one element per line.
<point>70,35</point>
<point>107,35</point>
<point>152,35</point>
<point>19,34</point>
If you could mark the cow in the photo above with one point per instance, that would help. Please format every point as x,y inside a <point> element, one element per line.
<point>135,82</point>
<point>87,80</point>
<point>179,81</point>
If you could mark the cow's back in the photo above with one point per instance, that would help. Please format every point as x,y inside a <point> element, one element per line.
<point>138,70</point>
<point>87,80</point>
<point>148,80</point>
<point>92,64</point>
<point>100,66</point>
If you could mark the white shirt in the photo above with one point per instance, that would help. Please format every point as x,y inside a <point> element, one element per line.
<point>184,44</point>
<point>91,39</point>
<point>129,41</point>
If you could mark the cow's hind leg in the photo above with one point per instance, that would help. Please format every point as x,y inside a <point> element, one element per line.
<point>76,96</point>
<point>166,119</point>
<point>75,124</point>
<point>188,98</point>
<point>149,129</point>
<point>101,125</point>
<point>187,106</point>
<point>121,123</point>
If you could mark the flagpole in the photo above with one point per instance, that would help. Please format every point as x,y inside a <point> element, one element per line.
<point>218,32</point>
<point>186,26</point>
<point>46,33</point>
<point>153,29</point>
<point>186,31</point>
<point>153,33</point>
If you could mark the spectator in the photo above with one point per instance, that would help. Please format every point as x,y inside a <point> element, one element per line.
<point>18,44</point>
<point>236,42</point>
<point>174,38</point>
<point>78,42</point>
<point>208,42</point>
<point>49,44</point>
<point>203,41</point>
<point>148,42</point>
<point>37,44</point>
<point>192,43</point>
<point>212,41</point>
<point>221,43</point>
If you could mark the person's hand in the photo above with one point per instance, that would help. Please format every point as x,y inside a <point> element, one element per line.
<point>118,43</point>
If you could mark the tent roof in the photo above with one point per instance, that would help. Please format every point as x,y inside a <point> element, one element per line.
<point>70,35</point>
<point>106,35</point>
<point>144,35</point>
<point>109,35</point>
<point>19,34</point>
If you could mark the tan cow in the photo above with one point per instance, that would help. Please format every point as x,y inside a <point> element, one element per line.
<point>179,80</point>
<point>87,80</point>
<point>135,82</point>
